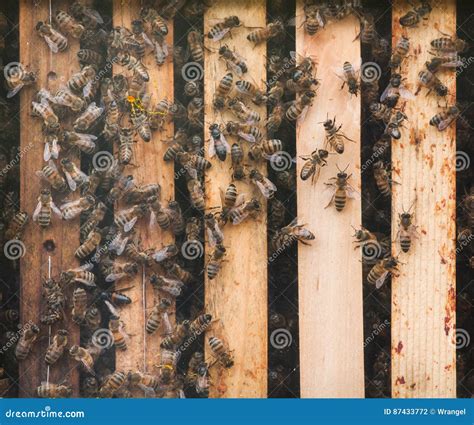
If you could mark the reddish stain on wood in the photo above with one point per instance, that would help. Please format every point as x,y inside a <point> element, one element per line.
<point>400,380</point>
<point>399,347</point>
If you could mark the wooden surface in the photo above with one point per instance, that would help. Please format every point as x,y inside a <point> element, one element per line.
<point>35,54</point>
<point>237,297</point>
<point>151,169</point>
<point>424,294</point>
<point>330,271</point>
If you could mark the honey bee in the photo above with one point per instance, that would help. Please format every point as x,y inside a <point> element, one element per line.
<point>28,337</point>
<point>57,347</point>
<point>68,25</point>
<point>287,235</point>
<point>445,118</point>
<point>74,176</point>
<point>54,39</point>
<point>429,80</point>
<point>350,76</point>
<point>88,117</point>
<point>214,232</point>
<point>112,384</point>
<point>196,46</point>
<point>90,387</point>
<point>168,285</point>
<point>275,119</point>
<point>159,214</point>
<point>341,190</point>
<point>94,219</point>
<point>393,126</point>
<point>193,229</point>
<point>380,111</point>
<point>220,352</point>
<point>196,194</point>
<point>247,88</point>
<point>237,157</point>
<point>243,113</point>
<point>180,332</point>
<point>178,224</point>
<point>121,187</point>
<point>141,124</point>
<point>89,57</point>
<point>133,64</point>
<point>193,89</point>
<point>127,218</point>
<point>299,107</point>
<point>72,209</point>
<point>314,21</point>
<point>449,44</point>
<point>335,137</point>
<point>272,30</point>
<point>17,78</point>
<point>215,261</point>
<point>157,314</point>
<point>194,363</point>
<point>16,226</point>
<point>44,209</point>
<point>50,390</point>
<point>400,52</point>
<point>79,305</point>
<point>222,91</point>
<point>313,164</point>
<point>90,244</point>
<point>116,326</point>
<point>55,302</point>
<point>83,142</point>
<point>86,14</point>
<point>368,33</point>
<point>363,236</point>
<point>266,187</point>
<point>45,111</point>
<point>220,29</point>
<point>407,230</point>
<point>82,79</point>
<point>413,17</point>
<point>141,193</point>
<point>140,37</point>
<point>175,270</point>
<point>151,16</point>
<point>275,93</point>
<point>125,145</point>
<point>277,214</point>
<point>200,324</point>
<point>233,60</point>
<point>146,382</point>
<point>382,178</point>
<point>84,357</point>
<point>80,274</point>
<point>168,362</point>
<point>194,112</point>
<point>380,271</point>
<point>93,318</point>
<point>202,380</point>
<point>218,143</point>
<point>394,91</point>
<point>119,271</point>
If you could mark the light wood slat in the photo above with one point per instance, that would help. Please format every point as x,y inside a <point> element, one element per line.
<point>424,293</point>
<point>238,295</point>
<point>330,271</point>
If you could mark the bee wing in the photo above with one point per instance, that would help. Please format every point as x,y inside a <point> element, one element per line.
<point>112,308</point>
<point>149,392</point>
<point>328,194</point>
<point>220,35</point>
<point>147,40</point>
<point>129,225</point>
<point>167,326</point>
<point>87,89</point>
<point>212,148</point>
<point>247,136</point>
<point>240,218</point>
<point>405,93</point>
<point>54,149</point>
<point>55,209</point>
<point>152,222</point>
<point>69,204</point>
<point>87,267</point>
<point>85,282</point>
<point>51,44</point>
<point>352,192</point>
<point>225,143</point>
<point>240,200</point>
<point>444,124</point>
<point>160,255</point>
<point>93,14</point>
<point>339,71</point>
<point>210,235</point>
<point>235,68</point>
<point>83,176</point>
<point>380,281</point>
<point>266,191</point>
<point>112,277</point>
<point>70,181</point>
<point>37,211</point>
<point>357,64</point>
<point>303,114</point>
<point>15,90</point>
<point>385,92</point>
<point>46,152</point>
<point>172,282</point>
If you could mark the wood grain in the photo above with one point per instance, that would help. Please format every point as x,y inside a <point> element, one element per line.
<point>35,54</point>
<point>424,292</point>
<point>237,297</point>
<point>143,350</point>
<point>330,271</point>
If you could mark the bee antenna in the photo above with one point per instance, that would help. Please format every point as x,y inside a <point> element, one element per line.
<point>346,167</point>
